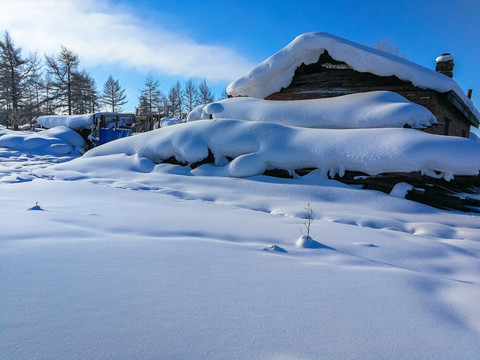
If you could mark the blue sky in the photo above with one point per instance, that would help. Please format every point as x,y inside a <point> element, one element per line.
<point>221,40</point>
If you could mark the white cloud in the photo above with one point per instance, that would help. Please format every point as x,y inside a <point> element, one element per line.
<point>103,33</point>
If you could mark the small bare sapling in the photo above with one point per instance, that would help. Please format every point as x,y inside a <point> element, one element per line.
<point>308,222</point>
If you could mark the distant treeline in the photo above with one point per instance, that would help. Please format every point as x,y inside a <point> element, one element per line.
<point>31,86</point>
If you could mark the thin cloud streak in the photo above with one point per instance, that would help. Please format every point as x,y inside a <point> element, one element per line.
<point>102,33</point>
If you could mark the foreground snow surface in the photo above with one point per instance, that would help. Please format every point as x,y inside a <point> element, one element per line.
<point>114,257</point>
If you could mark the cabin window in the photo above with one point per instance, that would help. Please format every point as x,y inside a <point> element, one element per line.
<point>447,126</point>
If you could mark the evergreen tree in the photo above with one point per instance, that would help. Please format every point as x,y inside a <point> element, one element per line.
<point>206,95</point>
<point>224,94</point>
<point>191,96</point>
<point>113,95</point>
<point>151,98</point>
<point>48,101</point>
<point>35,93</point>
<point>175,102</point>
<point>14,72</point>
<point>84,93</point>
<point>62,68</point>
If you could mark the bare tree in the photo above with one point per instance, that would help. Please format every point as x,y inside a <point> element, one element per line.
<point>387,45</point>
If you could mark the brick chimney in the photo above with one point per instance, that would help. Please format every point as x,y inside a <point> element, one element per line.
<point>445,64</point>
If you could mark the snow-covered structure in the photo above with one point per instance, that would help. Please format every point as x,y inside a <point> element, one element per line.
<point>320,65</point>
<point>85,121</point>
<point>97,128</point>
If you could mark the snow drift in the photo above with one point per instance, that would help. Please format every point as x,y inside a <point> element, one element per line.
<point>57,141</point>
<point>365,110</point>
<point>170,120</point>
<point>278,70</point>
<point>254,147</point>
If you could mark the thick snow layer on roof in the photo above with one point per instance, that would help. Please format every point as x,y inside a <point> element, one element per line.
<point>365,110</point>
<point>58,141</point>
<point>278,70</point>
<point>257,146</point>
<point>75,122</point>
<point>79,122</point>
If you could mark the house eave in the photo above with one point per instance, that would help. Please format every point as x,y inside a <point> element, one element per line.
<point>456,101</point>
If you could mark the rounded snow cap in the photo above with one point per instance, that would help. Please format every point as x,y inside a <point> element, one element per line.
<point>444,57</point>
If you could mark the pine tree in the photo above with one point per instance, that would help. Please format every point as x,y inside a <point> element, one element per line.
<point>151,98</point>
<point>190,96</point>
<point>224,94</point>
<point>14,72</point>
<point>84,93</point>
<point>175,102</point>
<point>206,95</point>
<point>35,94</point>
<point>61,68</point>
<point>113,95</point>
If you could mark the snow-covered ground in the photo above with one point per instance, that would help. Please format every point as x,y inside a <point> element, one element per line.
<point>114,256</point>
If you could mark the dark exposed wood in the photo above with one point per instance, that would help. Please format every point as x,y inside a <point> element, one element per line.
<point>456,194</point>
<point>210,159</point>
<point>336,76</point>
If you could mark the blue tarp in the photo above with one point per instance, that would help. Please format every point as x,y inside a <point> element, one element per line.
<point>107,135</point>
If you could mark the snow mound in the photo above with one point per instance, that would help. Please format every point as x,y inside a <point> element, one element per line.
<point>170,120</point>
<point>401,190</point>
<point>307,242</point>
<point>278,70</point>
<point>275,249</point>
<point>57,141</point>
<point>243,149</point>
<point>365,110</point>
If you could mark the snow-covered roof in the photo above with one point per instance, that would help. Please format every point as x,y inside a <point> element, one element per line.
<point>75,122</point>
<point>278,70</point>
<point>375,109</point>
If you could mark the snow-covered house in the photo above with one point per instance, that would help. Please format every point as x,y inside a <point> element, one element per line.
<point>320,65</point>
